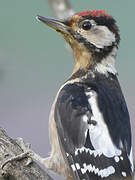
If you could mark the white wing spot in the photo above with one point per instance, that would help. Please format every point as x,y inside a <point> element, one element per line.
<point>85,118</point>
<point>83,170</point>
<point>124,174</point>
<point>76,152</point>
<point>73,167</point>
<point>91,152</point>
<point>116,158</point>
<point>121,158</point>
<point>77,166</point>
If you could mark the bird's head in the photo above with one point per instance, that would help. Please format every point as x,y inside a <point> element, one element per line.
<point>93,36</point>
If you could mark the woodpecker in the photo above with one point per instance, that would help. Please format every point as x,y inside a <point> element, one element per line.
<point>89,126</point>
<point>90,130</point>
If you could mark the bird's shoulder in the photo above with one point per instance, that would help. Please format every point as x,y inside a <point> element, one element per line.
<point>100,95</point>
<point>92,122</point>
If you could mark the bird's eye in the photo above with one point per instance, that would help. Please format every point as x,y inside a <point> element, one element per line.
<point>86,25</point>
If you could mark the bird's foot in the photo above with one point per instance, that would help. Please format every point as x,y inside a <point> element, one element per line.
<point>47,162</point>
<point>27,153</point>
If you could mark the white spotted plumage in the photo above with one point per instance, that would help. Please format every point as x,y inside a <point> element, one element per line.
<point>101,141</point>
<point>123,174</point>
<point>102,172</point>
<point>116,158</point>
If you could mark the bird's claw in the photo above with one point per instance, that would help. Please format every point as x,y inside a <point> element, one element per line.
<point>21,143</point>
<point>26,149</point>
<point>27,153</point>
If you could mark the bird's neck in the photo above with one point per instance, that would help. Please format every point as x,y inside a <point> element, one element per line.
<point>107,64</point>
<point>83,58</point>
<point>85,62</point>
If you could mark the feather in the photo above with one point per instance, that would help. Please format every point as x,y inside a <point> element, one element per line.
<point>94,131</point>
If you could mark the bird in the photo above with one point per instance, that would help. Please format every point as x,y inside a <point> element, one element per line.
<point>89,124</point>
<point>90,131</point>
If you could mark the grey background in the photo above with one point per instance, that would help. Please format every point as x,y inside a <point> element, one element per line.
<point>34,63</point>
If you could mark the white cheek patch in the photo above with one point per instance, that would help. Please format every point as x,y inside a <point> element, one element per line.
<point>99,36</point>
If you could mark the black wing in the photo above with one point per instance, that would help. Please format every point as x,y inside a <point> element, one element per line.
<point>89,155</point>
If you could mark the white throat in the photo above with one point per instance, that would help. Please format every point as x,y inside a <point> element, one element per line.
<point>107,64</point>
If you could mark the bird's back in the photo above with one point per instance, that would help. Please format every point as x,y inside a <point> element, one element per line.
<point>94,131</point>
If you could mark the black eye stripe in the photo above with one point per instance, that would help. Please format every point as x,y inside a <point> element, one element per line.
<point>87,25</point>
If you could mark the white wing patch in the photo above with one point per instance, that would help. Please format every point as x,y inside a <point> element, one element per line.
<point>103,172</point>
<point>91,152</point>
<point>99,134</point>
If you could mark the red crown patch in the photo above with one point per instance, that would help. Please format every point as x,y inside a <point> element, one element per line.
<point>96,13</point>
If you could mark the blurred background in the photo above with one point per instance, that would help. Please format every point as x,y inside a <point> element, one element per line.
<point>34,63</point>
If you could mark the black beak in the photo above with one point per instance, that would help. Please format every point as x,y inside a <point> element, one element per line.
<point>57,24</point>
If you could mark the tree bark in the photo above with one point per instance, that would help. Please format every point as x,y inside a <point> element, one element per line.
<point>17,170</point>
